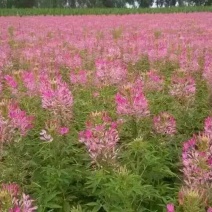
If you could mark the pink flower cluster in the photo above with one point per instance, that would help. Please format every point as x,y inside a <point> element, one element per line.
<point>130,100</point>
<point>19,119</point>
<point>12,200</point>
<point>56,95</point>
<point>197,169</point>
<point>197,157</point>
<point>208,126</point>
<point>164,124</point>
<point>109,72</point>
<point>153,81</point>
<point>30,82</point>
<point>57,98</point>
<point>79,78</point>
<point>197,160</point>
<point>15,122</point>
<point>11,83</point>
<point>100,137</point>
<point>183,88</point>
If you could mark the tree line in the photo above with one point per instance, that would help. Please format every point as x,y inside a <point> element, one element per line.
<point>99,3</point>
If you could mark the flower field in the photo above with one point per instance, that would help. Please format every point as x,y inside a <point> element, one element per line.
<point>106,113</point>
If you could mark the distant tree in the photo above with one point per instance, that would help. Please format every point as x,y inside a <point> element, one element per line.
<point>108,3</point>
<point>141,3</point>
<point>208,3</point>
<point>120,3</point>
<point>20,3</point>
<point>170,3</point>
<point>3,3</point>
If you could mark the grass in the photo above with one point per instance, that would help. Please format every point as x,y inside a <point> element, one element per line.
<point>99,11</point>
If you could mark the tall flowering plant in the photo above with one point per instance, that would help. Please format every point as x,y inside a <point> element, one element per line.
<point>197,160</point>
<point>14,122</point>
<point>195,194</point>
<point>131,102</point>
<point>153,81</point>
<point>57,98</point>
<point>183,88</point>
<point>165,124</point>
<point>100,138</point>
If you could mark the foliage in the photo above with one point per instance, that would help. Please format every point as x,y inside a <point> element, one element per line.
<point>99,11</point>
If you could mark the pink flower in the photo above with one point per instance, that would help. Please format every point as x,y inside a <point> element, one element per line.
<point>19,119</point>
<point>170,207</point>
<point>13,189</point>
<point>196,159</point>
<point>30,82</point>
<point>209,209</point>
<point>15,209</point>
<point>131,100</point>
<point>208,126</point>
<point>189,144</point>
<point>27,204</point>
<point>153,82</point>
<point>109,72</point>
<point>63,130</point>
<point>11,81</point>
<point>19,201</point>
<point>100,138</point>
<point>183,88</point>
<point>165,123</point>
<point>58,99</point>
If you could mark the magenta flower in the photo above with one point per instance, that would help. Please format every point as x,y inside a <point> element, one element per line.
<point>209,209</point>
<point>208,126</point>
<point>15,209</point>
<point>57,98</point>
<point>19,119</point>
<point>165,123</point>
<point>170,207</point>
<point>64,130</point>
<point>13,189</point>
<point>14,124</point>
<point>100,137</point>
<point>130,100</point>
<point>11,81</point>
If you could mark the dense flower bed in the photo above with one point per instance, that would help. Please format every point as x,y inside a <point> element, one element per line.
<point>106,113</point>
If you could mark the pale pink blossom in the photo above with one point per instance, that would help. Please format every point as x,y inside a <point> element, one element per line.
<point>165,123</point>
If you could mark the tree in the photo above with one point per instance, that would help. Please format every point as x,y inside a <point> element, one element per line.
<point>108,3</point>
<point>21,3</point>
